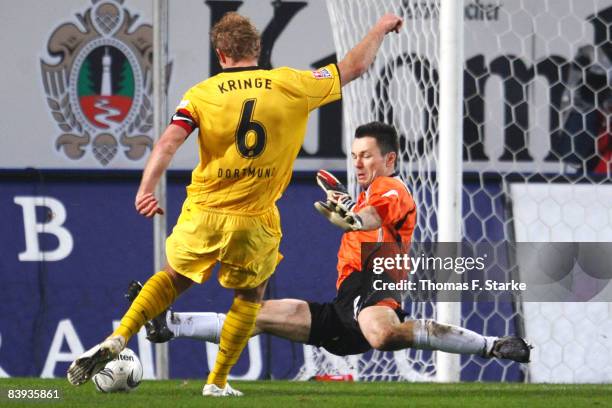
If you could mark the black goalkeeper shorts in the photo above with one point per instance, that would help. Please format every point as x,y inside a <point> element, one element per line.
<point>334,325</point>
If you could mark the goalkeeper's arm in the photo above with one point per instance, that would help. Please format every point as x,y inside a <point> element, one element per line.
<point>370,220</point>
<point>365,219</point>
<point>339,206</point>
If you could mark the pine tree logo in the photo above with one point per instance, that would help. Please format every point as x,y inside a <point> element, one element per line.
<point>99,92</point>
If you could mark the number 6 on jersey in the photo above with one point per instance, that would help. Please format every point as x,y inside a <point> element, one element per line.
<point>250,135</point>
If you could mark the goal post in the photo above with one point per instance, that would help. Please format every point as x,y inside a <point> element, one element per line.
<point>160,115</point>
<point>450,174</point>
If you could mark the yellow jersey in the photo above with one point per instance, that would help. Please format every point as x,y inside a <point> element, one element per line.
<point>252,123</point>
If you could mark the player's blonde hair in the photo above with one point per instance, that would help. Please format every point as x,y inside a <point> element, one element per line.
<point>236,37</point>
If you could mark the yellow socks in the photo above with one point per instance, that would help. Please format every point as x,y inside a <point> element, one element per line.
<point>156,295</point>
<point>237,328</point>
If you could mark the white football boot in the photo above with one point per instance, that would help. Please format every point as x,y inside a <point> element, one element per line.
<point>211,390</point>
<point>93,360</point>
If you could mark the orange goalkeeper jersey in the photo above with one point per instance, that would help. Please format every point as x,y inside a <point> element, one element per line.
<point>397,210</point>
<point>252,123</point>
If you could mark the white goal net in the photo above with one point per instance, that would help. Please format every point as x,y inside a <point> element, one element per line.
<point>537,155</point>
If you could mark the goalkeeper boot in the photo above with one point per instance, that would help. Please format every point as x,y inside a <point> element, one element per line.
<point>212,390</point>
<point>93,360</point>
<point>511,348</point>
<point>157,328</point>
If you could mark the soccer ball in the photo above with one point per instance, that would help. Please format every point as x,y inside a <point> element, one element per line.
<point>124,373</point>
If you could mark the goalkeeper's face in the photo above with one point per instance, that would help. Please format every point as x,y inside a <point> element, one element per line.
<point>369,161</point>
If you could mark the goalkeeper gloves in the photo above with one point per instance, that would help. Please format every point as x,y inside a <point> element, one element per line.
<point>334,190</point>
<point>347,221</point>
<point>338,208</point>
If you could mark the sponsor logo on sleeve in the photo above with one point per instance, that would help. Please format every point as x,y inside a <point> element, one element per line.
<point>322,73</point>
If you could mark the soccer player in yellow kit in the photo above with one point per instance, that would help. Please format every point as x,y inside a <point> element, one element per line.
<point>251,124</point>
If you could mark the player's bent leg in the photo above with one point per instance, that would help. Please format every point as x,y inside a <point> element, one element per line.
<point>382,328</point>
<point>156,295</point>
<point>237,328</point>
<point>169,325</point>
<point>286,318</point>
<point>180,282</point>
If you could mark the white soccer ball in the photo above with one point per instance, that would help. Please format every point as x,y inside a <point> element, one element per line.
<point>124,373</point>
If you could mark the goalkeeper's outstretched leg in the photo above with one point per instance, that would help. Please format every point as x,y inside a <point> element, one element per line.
<point>378,327</point>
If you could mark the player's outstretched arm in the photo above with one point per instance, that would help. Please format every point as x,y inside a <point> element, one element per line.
<point>146,203</point>
<point>357,61</point>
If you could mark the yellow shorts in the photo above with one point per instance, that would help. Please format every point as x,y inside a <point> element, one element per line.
<point>245,245</point>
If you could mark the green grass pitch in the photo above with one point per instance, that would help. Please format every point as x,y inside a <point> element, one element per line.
<point>289,394</point>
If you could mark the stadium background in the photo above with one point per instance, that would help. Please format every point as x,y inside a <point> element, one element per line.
<point>52,310</point>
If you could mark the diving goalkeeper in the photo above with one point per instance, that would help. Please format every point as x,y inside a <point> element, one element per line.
<point>359,318</point>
